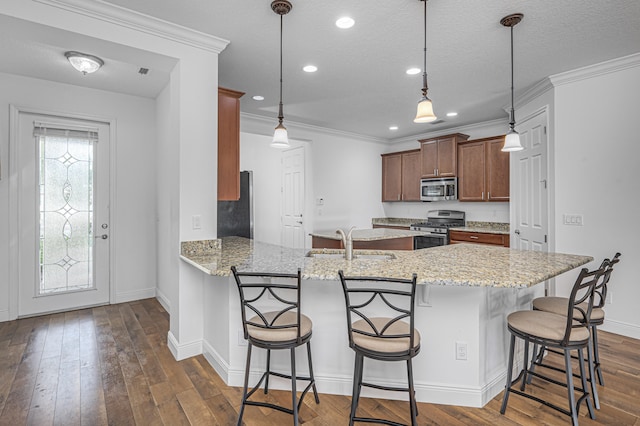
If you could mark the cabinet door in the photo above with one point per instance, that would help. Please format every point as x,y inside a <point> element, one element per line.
<point>497,171</point>
<point>411,176</point>
<point>228,144</point>
<point>391,177</point>
<point>471,165</point>
<point>429,152</point>
<point>446,157</point>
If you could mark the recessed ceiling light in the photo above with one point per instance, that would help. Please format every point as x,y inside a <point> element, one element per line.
<point>452,114</point>
<point>413,71</point>
<point>310,68</point>
<point>345,22</point>
<point>393,127</point>
<point>257,98</point>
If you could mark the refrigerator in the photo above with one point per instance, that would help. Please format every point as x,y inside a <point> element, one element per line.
<point>235,218</point>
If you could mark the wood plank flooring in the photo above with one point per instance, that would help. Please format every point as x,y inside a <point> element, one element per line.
<point>111,365</point>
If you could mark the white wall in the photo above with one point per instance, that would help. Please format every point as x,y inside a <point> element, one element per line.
<point>133,222</point>
<point>596,155</point>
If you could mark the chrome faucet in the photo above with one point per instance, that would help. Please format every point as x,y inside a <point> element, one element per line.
<point>347,242</point>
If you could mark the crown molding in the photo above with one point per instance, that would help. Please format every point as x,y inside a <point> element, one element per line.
<point>450,130</point>
<point>590,71</point>
<point>258,124</point>
<point>538,89</point>
<point>127,18</point>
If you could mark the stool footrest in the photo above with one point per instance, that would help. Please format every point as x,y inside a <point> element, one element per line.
<point>378,421</point>
<point>388,388</point>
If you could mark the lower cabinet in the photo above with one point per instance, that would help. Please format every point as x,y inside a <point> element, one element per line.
<point>456,237</point>
<point>404,243</point>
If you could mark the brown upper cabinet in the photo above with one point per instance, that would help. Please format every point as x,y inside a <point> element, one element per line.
<point>439,155</point>
<point>483,170</point>
<point>228,144</point>
<point>401,176</point>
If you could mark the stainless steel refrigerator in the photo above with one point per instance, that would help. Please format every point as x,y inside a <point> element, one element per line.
<point>235,218</point>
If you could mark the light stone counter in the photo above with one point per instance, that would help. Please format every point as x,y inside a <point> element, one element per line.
<point>369,234</point>
<point>485,227</point>
<point>452,265</point>
<point>395,221</point>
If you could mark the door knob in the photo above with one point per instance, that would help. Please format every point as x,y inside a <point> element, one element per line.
<point>517,231</point>
<point>103,236</point>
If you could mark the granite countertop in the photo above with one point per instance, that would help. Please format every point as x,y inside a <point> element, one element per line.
<point>395,221</point>
<point>369,234</point>
<point>485,227</point>
<point>452,265</point>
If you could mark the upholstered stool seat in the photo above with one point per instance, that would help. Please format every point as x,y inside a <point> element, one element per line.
<point>546,325</point>
<point>559,305</point>
<point>387,345</point>
<point>287,334</point>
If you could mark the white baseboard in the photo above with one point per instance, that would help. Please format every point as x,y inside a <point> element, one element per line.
<point>216,361</point>
<point>622,328</point>
<point>164,300</point>
<point>129,296</point>
<point>183,351</point>
<point>4,315</point>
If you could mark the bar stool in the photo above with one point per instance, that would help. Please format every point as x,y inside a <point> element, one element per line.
<point>383,338</point>
<point>560,332</point>
<point>282,327</point>
<point>558,305</point>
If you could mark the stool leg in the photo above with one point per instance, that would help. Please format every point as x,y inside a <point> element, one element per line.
<point>507,387</point>
<point>266,381</point>
<point>313,380</point>
<point>583,378</point>
<point>294,394</point>
<point>357,380</point>
<point>525,364</point>
<point>596,354</point>
<point>570,389</point>
<point>592,376</point>
<point>412,395</point>
<point>246,383</point>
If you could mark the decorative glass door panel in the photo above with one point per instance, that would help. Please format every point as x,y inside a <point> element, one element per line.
<point>66,213</point>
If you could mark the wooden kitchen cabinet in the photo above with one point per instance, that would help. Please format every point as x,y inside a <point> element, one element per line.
<point>228,144</point>
<point>456,237</point>
<point>483,170</point>
<point>439,155</point>
<point>401,176</point>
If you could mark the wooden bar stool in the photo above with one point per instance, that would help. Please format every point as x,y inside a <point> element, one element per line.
<point>558,305</point>
<point>380,323</point>
<point>282,327</point>
<point>561,332</point>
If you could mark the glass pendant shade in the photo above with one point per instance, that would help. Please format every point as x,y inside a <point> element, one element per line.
<point>280,137</point>
<point>425,111</point>
<point>512,142</point>
<point>86,64</point>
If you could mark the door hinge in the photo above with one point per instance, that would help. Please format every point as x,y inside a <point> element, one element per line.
<point>545,130</point>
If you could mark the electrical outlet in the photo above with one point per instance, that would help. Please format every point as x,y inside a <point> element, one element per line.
<point>461,351</point>
<point>196,221</point>
<point>609,299</point>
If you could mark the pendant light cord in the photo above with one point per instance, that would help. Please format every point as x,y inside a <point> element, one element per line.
<point>512,123</point>
<point>280,113</point>
<point>425,88</point>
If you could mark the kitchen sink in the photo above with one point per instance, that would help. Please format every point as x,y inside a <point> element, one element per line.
<point>357,254</point>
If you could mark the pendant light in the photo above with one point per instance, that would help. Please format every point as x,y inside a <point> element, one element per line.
<point>425,107</point>
<point>512,140</point>
<point>280,137</point>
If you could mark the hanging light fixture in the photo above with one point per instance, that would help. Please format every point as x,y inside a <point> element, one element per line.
<point>512,140</point>
<point>280,137</point>
<point>84,63</point>
<point>425,107</point>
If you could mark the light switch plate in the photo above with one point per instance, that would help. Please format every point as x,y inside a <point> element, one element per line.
<point>572,219</point>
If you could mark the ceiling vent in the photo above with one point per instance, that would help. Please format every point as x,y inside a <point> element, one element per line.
<point>143,71</point>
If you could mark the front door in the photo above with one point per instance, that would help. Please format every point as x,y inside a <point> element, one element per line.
<point>63,213</point>
<point>293,234</point>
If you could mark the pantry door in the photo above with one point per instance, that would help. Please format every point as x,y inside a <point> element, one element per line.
<point>63,213</point>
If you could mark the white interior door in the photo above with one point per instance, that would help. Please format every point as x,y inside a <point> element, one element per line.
<point>63,214</point>
<point>530,197</point>
<point>293,234</point>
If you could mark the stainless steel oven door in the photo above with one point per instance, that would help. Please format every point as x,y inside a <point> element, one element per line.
<point>431,240</point>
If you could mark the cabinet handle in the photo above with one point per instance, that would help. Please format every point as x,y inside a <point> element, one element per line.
<point>398,197</point>
<point>489,195</point>
<point>483,195</point>
<point>473,237</point>
<point>435,172</point>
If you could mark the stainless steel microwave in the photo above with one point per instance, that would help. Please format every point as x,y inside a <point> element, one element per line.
<point>439,189</point>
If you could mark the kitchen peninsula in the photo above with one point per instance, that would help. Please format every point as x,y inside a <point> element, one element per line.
<point>466,292</point>
<point>380,238</point>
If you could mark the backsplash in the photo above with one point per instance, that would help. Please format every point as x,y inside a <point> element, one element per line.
<point>479,212</point>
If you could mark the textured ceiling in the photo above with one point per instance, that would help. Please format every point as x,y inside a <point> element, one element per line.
<point>361,85</point>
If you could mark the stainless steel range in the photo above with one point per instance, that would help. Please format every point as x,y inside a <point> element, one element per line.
<point>437,226</point>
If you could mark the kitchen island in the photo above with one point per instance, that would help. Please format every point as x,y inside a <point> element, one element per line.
<point>466,292</point>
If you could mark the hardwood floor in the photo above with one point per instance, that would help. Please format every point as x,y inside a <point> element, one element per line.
<point>111,365</point>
